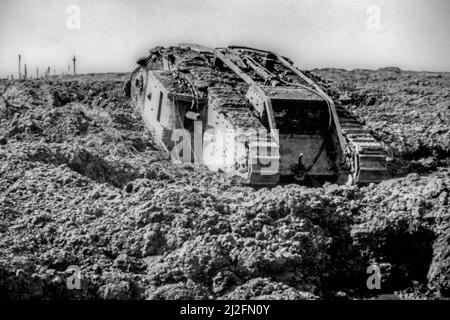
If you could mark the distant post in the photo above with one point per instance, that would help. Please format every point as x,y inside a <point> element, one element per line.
<point>25,73</point>
<point>37,73</point>
<point>20,71</point>
<point>74,61</point>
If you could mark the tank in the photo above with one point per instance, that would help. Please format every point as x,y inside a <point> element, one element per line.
<point>251,113</point>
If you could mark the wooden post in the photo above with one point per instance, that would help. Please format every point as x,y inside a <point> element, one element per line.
<point>25,73</point>
<point>37,73</point>
<point>74,62</point>
<point>20,71</point>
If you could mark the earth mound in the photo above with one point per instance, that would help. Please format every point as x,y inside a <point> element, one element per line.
<point>83,184</point>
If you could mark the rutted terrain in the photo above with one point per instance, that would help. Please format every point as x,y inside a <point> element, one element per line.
<point>82,183</point>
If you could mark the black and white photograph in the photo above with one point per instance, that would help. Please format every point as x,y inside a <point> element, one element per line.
<point>226,154</point>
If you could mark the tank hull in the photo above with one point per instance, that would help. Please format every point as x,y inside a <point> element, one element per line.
<point>250,113</point>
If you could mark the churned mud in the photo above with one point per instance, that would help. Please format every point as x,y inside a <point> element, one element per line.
<point>83,184</point>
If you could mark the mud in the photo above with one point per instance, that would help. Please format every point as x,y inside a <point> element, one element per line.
<point>83,184</point>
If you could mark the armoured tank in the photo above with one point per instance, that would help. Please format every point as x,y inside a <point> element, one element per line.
<point>251,113</point>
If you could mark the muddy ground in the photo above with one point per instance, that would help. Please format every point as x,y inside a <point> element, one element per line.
<point>82,184</point>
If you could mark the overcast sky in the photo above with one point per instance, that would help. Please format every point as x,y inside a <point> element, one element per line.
<point>410,34</point>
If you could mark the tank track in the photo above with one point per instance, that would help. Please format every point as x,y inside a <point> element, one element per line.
<point>368,156</point>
